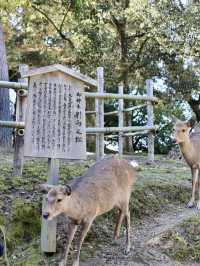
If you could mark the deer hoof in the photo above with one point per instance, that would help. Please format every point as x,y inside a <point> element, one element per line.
<point>62,263</point>
<point>190,204</point>
<point>127,251</point>
<point>76,263</point>
<point>198,205</point>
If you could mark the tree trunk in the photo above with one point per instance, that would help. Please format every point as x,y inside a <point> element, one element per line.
<point>124,77</point>
<point>121,24</point>
<point>5,112</point>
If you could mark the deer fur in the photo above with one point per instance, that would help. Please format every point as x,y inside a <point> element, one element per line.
<point>106,185</point>
<point>189,143</point>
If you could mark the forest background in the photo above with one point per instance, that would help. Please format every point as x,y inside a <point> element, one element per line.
<point>133,40</point>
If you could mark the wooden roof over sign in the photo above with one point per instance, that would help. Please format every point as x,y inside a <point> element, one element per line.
<point>57,67</point>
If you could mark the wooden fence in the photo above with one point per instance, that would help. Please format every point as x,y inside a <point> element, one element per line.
<point>99,96</point>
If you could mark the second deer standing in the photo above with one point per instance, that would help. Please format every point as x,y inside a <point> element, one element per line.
<point>189,144</point>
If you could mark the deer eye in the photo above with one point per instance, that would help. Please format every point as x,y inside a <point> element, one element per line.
<point>183,130</point>
<point>59,200</point>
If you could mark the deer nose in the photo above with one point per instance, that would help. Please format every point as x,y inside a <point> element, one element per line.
<point>174,141</point>
<point>46,215</point>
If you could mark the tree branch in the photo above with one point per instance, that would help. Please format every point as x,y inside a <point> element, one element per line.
<point>138,54</point>
<point>59,30</point>
<point>64,17</point>
<point>137,35</point>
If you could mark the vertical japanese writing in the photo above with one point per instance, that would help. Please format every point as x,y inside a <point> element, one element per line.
<point>59,116</point>
<point>33,122</point>
<point>44,105</point>
<point>78,119</point>
<point>64,119</point>
<point>69,119</point>
<point>49,110</point>
<point>55,118</point>
<point>39,117</point>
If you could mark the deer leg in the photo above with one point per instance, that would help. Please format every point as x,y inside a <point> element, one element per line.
<point>128,241</point>
<point>198,202</point>
<point>85,229</point>
<point>194,185</point>
<point>72,230</point>
<point>118,225</point>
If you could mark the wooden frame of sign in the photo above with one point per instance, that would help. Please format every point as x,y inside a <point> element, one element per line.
<point>55,125</point>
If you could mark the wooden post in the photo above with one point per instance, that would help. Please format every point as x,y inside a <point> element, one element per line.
<point>5,112</point>
<point>48,230</point>
<point>120,122</point>
<point>21,103</point>
<point>149,87</point>
<point>99,103</point>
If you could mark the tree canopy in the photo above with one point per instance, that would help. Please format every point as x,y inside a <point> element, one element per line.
<point>132,39</point>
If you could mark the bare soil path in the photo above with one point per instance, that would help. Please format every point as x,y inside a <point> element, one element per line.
<point>146,249</point>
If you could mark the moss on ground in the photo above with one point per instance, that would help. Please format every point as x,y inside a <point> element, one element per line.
<point>157,187</point>
<point>183,243</point>
<point>24,222</point>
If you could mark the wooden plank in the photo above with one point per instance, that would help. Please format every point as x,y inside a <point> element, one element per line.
<point>99,106</point>
<point>100,78</point>
<point>12,124</point>
<point>18,159</point>
<point>126,110</point>
<point>89,130</point>
<point>90,112</point>
<point>117,96</point>
<point>150,118</point>
<point>64,69</point>
<point>94,130</point>
<point>145,132</point>
<point>134,107</point>
<point>13,85</point>
<point>97,126</point>
<point>120,121</point>
<point>48,229</point>
<point>128,134</point>
<point>112,113</point>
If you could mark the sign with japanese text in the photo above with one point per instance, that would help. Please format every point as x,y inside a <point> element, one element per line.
<point>55,121</point>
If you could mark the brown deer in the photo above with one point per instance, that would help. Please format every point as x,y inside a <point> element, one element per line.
<point>189,143</point>
<point>106,185</point>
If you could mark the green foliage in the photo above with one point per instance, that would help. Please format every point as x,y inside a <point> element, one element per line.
<point>25,222</point>
<point>129,38</point>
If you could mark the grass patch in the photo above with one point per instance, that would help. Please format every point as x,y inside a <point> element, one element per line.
<point>183,242</point>
<point>24,223</point>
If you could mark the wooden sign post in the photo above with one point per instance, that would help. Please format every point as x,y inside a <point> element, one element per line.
<point>55,125</point>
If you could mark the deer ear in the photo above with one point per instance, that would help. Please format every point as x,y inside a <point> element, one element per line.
<point>191,122</point>
<point>67,190</point>
<point>174,119</point>
<point>44,188</point>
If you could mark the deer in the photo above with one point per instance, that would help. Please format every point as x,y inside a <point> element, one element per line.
<point>106,185</point>
<point>189,143</point>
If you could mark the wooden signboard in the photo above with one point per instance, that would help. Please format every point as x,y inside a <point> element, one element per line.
<point>55,121</point>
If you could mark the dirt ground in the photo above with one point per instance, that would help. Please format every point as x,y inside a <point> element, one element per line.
<point>163,231</point>
<point>145,242</point>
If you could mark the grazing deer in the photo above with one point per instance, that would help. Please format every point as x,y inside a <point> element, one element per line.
<point>106,185</point>
<point>189,143</point>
